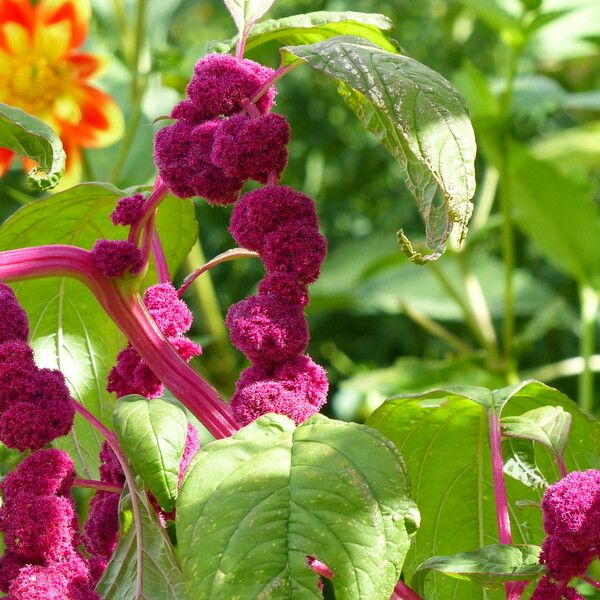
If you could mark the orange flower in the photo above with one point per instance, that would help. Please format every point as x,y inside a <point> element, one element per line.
<point>43,73</point>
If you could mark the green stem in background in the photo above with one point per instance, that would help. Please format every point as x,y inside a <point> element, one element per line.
<point>485,199</point>
<point>569,367</point>
<point>119,10</point>
<point>208,305</point>
<point>88,171</point>
<point>138,40</point>
<point>589,312</point>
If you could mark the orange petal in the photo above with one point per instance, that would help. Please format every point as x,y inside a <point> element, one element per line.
<point>101,122</point>
<point>86,65</point>
<point>19,11</point>
<point>76,13</point>
<point>6,157</point>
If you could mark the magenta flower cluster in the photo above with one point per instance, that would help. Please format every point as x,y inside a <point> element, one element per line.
<point>214,147</point>
<point>35,404</point>
<point>572,523</point>
<point>40,526</point>
<point>131,375</point>
<point>270,328</point>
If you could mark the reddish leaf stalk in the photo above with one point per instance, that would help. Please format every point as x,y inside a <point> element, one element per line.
<point>281,72</point>
<point>403,592</point>
<point>162,269</point>
<point>150,206</point>
<point>94,484</point>
<point>591,581</point>
<point>319,568</point>
<point>129,314</point>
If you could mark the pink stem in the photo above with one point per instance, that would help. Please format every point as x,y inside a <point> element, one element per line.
<point>403,592</point>
<point>162,269</point>
<point>561,465</point>
<point>156,197</point>
<point>281,72</point>
<point>232,254</point>
<point>94,484</point>
<point>319,568</point>
<point>242,39</point>
<point>252,110</point>
<point>592,582</point>
<point>129,314</point>
<point>113,442</point>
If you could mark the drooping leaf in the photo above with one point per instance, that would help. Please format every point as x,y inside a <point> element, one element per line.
<point>489,566</point>
<point>445,445</point>
<point>317,26</point>
<point>246,12</point>
<point>548,425</point>
<point>69,329</point>
<point>519,463</point>
<point>152,434</point>
<point>419,116</point>
<point>252,507</point>
<point>161,574</point>
<point>557,213</point>
<point>28,136</point>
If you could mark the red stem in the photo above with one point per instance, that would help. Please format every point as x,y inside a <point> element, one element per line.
<point>319,568</point>
<point>561,465</point>
<point>591,581</point>
<point>94,484</point>
<point>162,269</point>
<point>277,75</point>
<point>156,197</point>
<point>403,592</point>
<point>129,314</point>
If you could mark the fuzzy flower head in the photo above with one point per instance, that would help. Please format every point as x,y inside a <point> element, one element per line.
<point>114,258</point>
<point>44,72</point>
<point>101,530</point>
<point>222,84</point>
<point>549,590</point>
<point>15,324</point>
<point>285,287</point>
<point>39,582</point>
<point>252,148</point>
<point>260,212</point>
<point>131,375</point>
<point>111,470</point>
<point>128,210</point>
<point>192,445</point>
<point>170,313</point>
<point>266,330</point>
<point>16,350</point>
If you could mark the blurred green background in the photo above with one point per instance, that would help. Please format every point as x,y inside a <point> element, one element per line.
<point>381,325</point>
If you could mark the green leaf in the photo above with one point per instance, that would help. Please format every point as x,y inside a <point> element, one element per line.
<point>317,26</point>
<point>152,434</point>
<point>421,119</point>
<point>557,213</point>
<point>548,426</point>
<point>489,566</point>
<point>252,507</point>
<point>69,329</point>
<point>519,463</point>
<point>445,445</point>
<point>246,12</point>
<point>28,136</point>
<point>161,574</point>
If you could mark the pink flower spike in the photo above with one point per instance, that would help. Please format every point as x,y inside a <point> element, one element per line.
<point>170,313</point>
<point>128,210</point>
<point>285,287</point>
<point>101,530</point>
<point>14,324</point>
<point>185,347</point>
<point>192,445</point>
<point>38,582</point>
<point>114,258</point>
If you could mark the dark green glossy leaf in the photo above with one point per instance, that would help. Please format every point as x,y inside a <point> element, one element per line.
<point>253,506</point>
<point>419,116</point>
<point>489,566</point>
<point>28,136</point>
<point>161,574</point>
<point>152,434</point>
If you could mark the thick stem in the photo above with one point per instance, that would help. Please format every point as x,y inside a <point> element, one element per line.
<point>130,316</point>
<point>589,313</point>
<point>403,592</point>
<point>94,484</point>
<point>162,269</point>
<point>113,442</point>
<point>156,197</point>
<point>502,518</point>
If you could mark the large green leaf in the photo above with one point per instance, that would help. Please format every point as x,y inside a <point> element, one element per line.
<point>69,330</point>
<point>161,574</point>
<point>444,440</point>
<point>246,12</point>
<point>317,26</point>
<point>419,116</point>
<point>152,434</point>
<point>558,213</point>
<point>489,566</point>
<point>252,507</point>
<point>28,136</point>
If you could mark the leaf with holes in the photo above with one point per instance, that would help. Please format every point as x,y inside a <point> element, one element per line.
<point>317,26</point>
<point>419,116</point>
<point>29,137</point>
<point>69,330</point>
<point>489,566</point>
<point>252,507</point>
<point>246,12</point>
<point>444,441</point>
<point>152,434</point>
<point>161,574</point>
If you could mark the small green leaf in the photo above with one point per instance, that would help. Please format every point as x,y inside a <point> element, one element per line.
<point>161,574</point>
<point>519,463</point>
<point>549,425</point>
<point>152,434</point>
<point>28,136</point>
<point>420,118</point>
<point>489,566</point>
<point>318,26</point>
<point>253,506</point>
<point>246,12</point>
